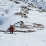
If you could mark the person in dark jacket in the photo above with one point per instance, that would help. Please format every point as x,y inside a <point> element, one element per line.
<point>11,29</point>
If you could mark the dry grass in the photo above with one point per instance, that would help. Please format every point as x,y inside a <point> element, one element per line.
<point>38,25</point>
<point>31,5</point>
<point>15,1</point>
<point>28,31</point>
<point>21,14</point>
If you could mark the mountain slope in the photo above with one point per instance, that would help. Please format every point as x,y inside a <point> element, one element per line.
<point>12,12</point>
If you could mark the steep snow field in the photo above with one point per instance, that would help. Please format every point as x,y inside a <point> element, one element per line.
<point>7,17</point>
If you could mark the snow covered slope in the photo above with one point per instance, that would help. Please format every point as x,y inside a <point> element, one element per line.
<point>28,12</point>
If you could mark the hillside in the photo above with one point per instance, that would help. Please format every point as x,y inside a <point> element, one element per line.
<point>31,29</point>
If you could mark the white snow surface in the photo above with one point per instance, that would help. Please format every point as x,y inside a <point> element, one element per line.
<point>37,38</point>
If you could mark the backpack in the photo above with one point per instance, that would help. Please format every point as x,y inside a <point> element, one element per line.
<point>13,27</point>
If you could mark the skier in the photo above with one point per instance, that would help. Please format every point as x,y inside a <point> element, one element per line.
<point>11,28</point>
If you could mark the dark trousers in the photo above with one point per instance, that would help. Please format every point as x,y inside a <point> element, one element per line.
<point>11,32</point>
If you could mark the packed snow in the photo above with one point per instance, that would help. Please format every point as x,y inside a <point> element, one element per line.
<point>34,17</point>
